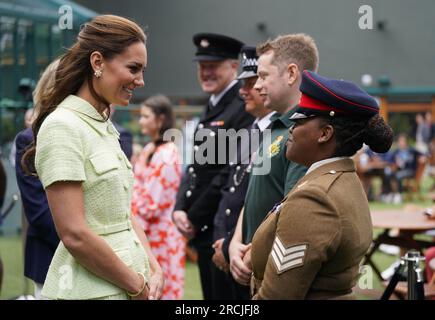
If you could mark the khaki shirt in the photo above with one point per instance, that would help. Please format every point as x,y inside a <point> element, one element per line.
<point>75,143</point>
<point>310,245</point>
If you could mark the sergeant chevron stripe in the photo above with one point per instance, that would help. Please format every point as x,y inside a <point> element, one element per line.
<point>287,258</point>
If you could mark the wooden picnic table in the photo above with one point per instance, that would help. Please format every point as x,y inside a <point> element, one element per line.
<point>408,222</point>
<point>412,221</point>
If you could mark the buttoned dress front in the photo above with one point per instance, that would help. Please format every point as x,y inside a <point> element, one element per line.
<point>75,143</point>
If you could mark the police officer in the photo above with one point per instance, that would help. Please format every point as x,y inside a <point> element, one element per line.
<point>233,194</point>
<point>200,189</point>
<point>311,244</point>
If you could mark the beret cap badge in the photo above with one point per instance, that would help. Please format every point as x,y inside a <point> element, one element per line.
<point>204,43</point>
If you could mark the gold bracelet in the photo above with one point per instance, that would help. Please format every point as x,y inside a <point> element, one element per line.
<point>142,289</point>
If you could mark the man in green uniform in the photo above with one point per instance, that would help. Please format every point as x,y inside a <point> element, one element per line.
<point>281,62</point>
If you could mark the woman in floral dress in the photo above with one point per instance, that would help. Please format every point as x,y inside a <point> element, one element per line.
<point>157,178</point>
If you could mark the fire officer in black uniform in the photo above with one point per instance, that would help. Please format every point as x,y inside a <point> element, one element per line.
<point>233,194</point>
<point>200,190</point>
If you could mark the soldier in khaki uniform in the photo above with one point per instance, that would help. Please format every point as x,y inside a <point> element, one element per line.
<point>310,245</point>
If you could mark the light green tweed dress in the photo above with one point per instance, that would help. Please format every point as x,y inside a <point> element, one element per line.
<point>75,144</point>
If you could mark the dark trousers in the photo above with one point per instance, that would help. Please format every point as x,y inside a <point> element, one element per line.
<point>239,292</point>
<point>216,284</point>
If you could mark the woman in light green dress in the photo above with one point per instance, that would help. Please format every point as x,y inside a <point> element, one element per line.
<point>87,177</point>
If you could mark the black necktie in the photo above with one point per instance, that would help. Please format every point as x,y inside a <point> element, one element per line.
<point>210,106</point>
<point>255,130</point>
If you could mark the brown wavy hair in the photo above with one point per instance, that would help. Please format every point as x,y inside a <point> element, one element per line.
<point>108,34</point>
<point>161,106</point>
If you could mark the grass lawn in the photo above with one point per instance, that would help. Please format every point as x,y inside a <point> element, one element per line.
<point>192,288</point>
<point>14,283</point>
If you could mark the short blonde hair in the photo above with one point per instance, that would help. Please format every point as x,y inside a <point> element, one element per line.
<point>296,48</point>
<point>46,82</point>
